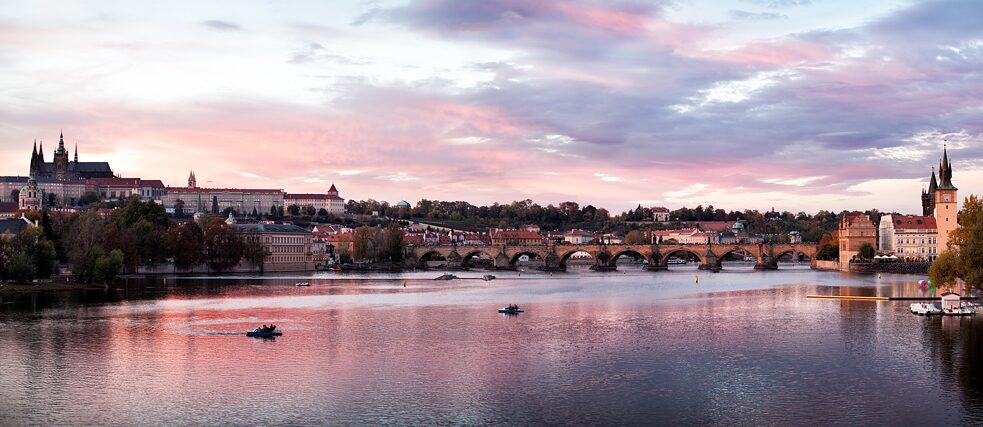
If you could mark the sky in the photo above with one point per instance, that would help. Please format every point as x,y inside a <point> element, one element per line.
<point>796,105</point>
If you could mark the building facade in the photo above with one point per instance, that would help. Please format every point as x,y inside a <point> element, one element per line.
<point>515,238</point>
<point>243,200</point>
<point>288,247</point>
<point>31,197</point>
<point>121,188</point>
<point>914,238</point>
<point>330,202</point>
<point>855,231</point>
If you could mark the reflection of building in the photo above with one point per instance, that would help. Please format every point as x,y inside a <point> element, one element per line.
<point>855,231</point>
<point>885,232</point>
<point>288,247</point>
<point>330,202</point>
<point>946,205</point>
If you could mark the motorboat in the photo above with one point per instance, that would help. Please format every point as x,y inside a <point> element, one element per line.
<point>961,311</point>
<point>676,260</point>
<point>972,306</point>
<point>260,333</point>
<point>925,309</point>
<point>510,310</point>
<point>445,277</point>
<point>488,277</point>
<point>302,284</point>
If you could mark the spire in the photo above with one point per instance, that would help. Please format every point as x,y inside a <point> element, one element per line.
<point>61,143</point>
<point>41,152</point>
<point>34,157</point>
<point>933,184</point>
<point>76,152</point>
<point>192,182</point>
<point>945,170</point>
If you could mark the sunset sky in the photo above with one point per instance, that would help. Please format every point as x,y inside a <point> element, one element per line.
<point>743,104</point>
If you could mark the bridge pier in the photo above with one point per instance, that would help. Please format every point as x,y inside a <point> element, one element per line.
<point>765,266</point>
<point>656,267</point>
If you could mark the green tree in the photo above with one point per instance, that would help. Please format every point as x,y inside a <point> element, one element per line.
<point>20,268</point>
<point>88,198</point>
<point>45,259</point>
<point>361,243</point>
<point>392,247</point>
<point>108,267</point>
<point>964,257</point>
<point>179,208</point>
<point>866,251</point>
<point>293,210</point>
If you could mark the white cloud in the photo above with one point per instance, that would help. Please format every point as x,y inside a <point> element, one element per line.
<point>797,182</point>
<point>399,177</point>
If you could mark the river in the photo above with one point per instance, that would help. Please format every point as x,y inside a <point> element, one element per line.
<point>628,347</point>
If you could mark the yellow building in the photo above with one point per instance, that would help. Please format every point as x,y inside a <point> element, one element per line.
<point>855,231</point>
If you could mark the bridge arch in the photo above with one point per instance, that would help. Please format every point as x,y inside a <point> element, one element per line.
<point>675,251</point>
<point>514,260</point>
<point>467,260</point>
<point>429,255</point>
<point>742,250</point>
<point>632,252</point>
<point>796,255</point>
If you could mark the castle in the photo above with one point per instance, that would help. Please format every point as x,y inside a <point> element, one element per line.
<point>63,169</point>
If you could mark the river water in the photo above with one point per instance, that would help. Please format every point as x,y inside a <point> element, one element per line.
<point>630,347</point>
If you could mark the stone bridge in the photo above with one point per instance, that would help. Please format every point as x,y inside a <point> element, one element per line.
<point>554,257</point>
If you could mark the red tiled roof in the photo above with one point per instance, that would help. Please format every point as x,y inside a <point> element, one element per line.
<point>912,221</point>
<point>715,225</point>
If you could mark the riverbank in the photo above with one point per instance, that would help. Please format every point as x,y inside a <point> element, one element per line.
<point>52,286</point>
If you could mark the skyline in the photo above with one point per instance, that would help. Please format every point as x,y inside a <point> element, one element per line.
<point>793,104</point>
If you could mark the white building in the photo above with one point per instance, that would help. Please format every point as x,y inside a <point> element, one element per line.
<point>660,214</point>
<point>578,237</point>
<point>330,202</point>
<point>915,237</point>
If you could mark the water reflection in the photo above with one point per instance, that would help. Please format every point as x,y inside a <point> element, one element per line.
<point>605,348</point>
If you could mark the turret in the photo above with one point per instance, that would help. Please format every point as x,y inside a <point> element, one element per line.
<point>192,182</point>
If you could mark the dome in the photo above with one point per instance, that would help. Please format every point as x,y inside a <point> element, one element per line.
<point>738,226</point>
<point>403,203</point>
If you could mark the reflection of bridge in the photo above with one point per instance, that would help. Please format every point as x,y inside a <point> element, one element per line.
<point>554,257</point>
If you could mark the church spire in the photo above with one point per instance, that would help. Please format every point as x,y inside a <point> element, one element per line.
<point>76,152</point>
<point>933,184</point>
<point>192,182</point>
<point>41,152</point>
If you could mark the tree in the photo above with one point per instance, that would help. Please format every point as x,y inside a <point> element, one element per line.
<point>322,212</point>
<point>45,259</point>
<point>293,210</point>
<point>866,251</point>
<point>107,267</point>
<point>361,243</point>
<point>392,246</point>
<point>20,268</point>
<point>14,195</point>
<point>635,237</point>
<point>84,244</point>
<point>187,243</point>
<point>964,257</point>
<point>88,198</point>
<point>179,208</point>
<point>215,205</point>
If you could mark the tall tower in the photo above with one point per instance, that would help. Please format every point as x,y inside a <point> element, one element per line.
<point>60,161</point>
<point>946,204</point>
<point>928,197</point>
<point>192,183</point>
<point>34,159</point>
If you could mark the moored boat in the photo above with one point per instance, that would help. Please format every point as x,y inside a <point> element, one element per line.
<point>445,277</point>
<point>488,277</point>
<point>512,309</point>
<point>302,284</point>
<point>925,309</point>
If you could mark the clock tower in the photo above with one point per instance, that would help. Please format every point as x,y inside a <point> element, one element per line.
<point>946,204</point>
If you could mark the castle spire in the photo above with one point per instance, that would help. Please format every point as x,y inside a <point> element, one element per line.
<point>76,152</point>
<point>41,152</point>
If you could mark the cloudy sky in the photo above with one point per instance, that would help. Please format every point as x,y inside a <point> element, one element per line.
<point>792,104</point>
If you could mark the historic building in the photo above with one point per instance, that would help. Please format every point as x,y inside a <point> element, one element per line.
<point>909,237</point>
<point>855,231</point>
<point>31,197</point>
<point>121,188</point>
<point>946,204</point>
<point>288,247</point>
<point>63,168</point>
<point>330,202</point>
<point>243,200</point>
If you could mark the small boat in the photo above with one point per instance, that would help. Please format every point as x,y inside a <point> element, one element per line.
<point>972,306</point>
<point>925,309</point>
<point>676,260</point>
<point>958,312</point>
<point>260,333</point>
<point>508,310</point>
<point>302,284</point>
<point>445,277</point>
<point>488,277</point>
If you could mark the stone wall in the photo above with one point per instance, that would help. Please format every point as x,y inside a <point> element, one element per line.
<point>827,265</point>
<point>891,267</point>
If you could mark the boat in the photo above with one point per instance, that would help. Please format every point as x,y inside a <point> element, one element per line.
<point>445,277</point>
<point>952,306</point>
<point>972,306</point>
<point>488,277</point>
<point>507,310</point>
<point>302,284</point>
<point>925,309</point>
<point>676,260</point>
<point>260,333</point>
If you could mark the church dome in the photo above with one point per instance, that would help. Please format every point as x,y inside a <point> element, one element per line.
<point>403,203</point>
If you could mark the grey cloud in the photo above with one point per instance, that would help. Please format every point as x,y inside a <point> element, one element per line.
<point>756,16</point>
<point>218,25</point>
